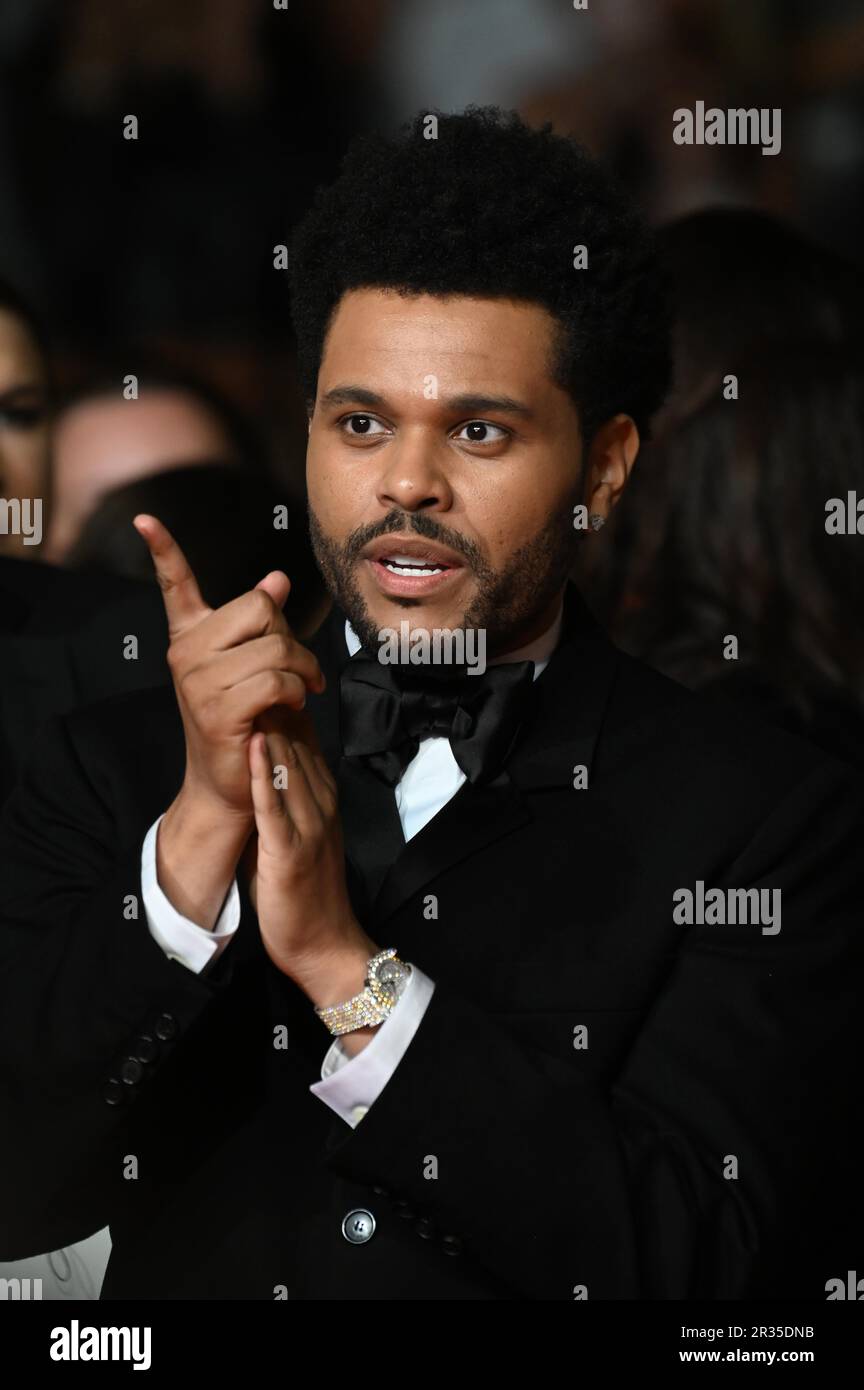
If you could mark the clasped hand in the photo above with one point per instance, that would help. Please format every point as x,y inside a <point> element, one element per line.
<point>256,788</point>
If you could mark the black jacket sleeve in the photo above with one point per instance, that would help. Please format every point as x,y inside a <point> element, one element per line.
<point>85,992</point>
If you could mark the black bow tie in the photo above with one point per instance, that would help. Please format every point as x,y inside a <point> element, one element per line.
<point>386,711</point>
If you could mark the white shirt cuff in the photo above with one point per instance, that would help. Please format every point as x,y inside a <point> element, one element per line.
<point>181,939</point>
<point>350,1085</point>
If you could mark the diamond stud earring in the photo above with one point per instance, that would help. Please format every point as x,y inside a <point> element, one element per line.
<point>595,520</point>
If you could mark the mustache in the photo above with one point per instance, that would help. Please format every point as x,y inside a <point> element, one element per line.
<point>419,524</point>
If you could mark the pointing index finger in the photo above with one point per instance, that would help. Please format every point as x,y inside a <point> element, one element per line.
<point>184,605</point>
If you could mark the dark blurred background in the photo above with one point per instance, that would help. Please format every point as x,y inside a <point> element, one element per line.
<point>166,242</point>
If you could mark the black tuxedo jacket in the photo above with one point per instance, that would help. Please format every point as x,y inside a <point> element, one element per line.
<point>61,645</point>
<point>598,1102</point>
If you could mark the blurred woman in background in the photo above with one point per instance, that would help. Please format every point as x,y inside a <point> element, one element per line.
<point>722,531</point>
<point>25,416</point>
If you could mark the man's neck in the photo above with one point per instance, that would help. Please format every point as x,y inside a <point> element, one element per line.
<point>536,629</point>
<point>538,649</point>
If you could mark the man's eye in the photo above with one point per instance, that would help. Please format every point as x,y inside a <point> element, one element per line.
<point>481,432</point>
<point>362,426</point>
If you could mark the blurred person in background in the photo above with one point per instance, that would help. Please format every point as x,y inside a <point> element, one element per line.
<point>233,526</point>
<point>723,529</point>
<point>744,280</point>
<point>61,644</point>
<point>103,440</point>
<point>61,636</point>
<point>25,418</point>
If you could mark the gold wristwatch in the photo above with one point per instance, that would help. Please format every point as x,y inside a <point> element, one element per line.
<point>386,978</point>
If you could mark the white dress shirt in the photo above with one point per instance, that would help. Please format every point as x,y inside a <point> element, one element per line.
<point>349,1085</point>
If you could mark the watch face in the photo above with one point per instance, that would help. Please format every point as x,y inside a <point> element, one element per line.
<point>393,976</point>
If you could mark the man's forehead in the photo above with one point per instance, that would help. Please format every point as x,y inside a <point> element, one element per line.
<point>422,332</point>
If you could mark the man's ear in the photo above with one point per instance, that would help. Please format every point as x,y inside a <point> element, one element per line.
<point>611,456</point>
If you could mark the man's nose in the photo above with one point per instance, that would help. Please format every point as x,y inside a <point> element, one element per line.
<point>415,475</point>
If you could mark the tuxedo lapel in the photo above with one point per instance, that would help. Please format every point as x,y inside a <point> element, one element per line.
<point>475,817</point>
<point>372,830</point>
<point>573,694</point>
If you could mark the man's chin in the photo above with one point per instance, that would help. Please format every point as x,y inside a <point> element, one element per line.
<point>427,611</point>
<point>387,615</point>
<point>424,643</point>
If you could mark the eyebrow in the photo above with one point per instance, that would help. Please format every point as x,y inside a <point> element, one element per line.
<point>465,404</point>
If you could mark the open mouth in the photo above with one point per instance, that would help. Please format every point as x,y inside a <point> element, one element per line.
<point>407,576</point>
<point>404,565</point>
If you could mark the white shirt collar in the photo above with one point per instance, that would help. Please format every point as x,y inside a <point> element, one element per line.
<point>539,651</point>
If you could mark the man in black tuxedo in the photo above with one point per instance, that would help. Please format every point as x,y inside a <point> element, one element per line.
<point>590,954</point>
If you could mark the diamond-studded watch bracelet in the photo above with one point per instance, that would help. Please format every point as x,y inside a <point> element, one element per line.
<point>386,978</point>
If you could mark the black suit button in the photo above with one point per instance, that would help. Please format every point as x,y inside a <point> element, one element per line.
<point>146,1049</point>
<point>404,1209</point>
<point>131,1071</point>
<point>166,1027</point>
<point>381,1191</point>
<point>425,1228</point>
<point>452,1245</point>
<point>113,1093</point>
<point>358,1226</point>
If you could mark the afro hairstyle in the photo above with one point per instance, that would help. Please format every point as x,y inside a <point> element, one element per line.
<point>491,208</point>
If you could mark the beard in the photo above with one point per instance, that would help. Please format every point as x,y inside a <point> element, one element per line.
<point>506,600</point>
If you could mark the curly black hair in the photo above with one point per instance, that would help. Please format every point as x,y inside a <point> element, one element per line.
<point>492,208</point>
